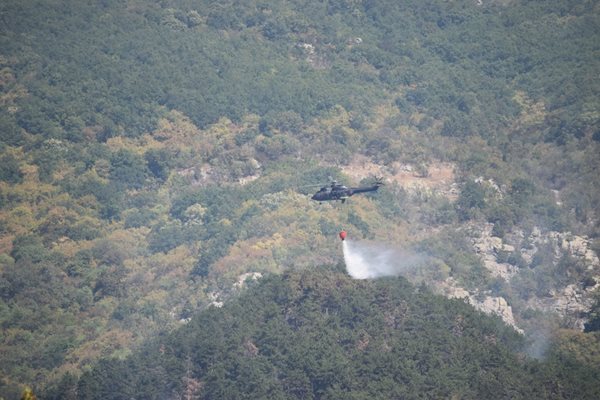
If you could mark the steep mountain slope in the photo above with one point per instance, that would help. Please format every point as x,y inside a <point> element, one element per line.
<point>152,154</point>
<point>321,335</point>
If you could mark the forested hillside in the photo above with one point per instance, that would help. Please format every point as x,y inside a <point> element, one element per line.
<point>325,336</point>
<point>154,156</point>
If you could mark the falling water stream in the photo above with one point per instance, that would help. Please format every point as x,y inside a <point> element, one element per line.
<point>369,260</point>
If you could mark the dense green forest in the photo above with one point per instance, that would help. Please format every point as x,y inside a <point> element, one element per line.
<point>324,336</point>
<point>153,153</point>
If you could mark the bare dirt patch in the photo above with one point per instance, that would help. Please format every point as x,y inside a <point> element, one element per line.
<point>436,177</point>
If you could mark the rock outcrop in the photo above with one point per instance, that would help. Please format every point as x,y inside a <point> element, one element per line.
<point>571,301</point>
<point>490,305</point>
<point>490,248</point>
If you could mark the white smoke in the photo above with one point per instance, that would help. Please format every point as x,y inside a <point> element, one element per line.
<point>368,260</point>
<point>539,343</point>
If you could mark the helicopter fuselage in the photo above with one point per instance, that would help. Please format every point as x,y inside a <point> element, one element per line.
<point>341,192</point>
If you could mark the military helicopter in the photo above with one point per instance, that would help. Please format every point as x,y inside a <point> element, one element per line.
<point>336,191</point>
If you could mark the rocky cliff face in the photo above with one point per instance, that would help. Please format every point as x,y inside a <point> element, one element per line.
<point>524,250</point>
<point>488,304</point>
<point>490,248</point>
<point>569,302</point>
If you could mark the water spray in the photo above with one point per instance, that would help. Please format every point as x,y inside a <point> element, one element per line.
<point>371,260</point>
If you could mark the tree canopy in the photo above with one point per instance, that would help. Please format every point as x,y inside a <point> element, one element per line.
<point>152,154</point>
